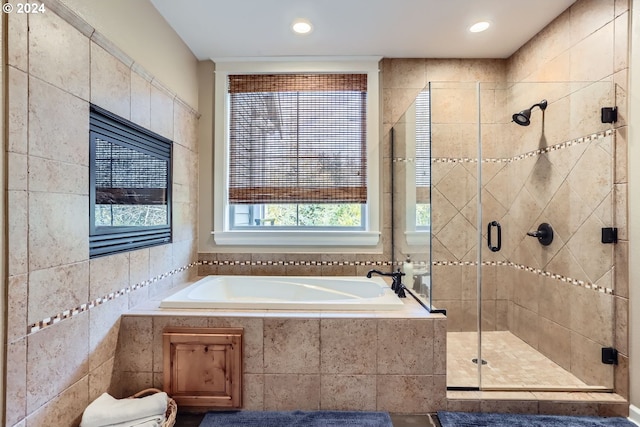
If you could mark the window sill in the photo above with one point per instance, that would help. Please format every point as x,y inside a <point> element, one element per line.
<point>296,238</point>
<point>418,237</point>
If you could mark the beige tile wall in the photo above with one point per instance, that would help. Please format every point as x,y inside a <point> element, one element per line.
<point>587,43</point>
<point>56,68</point>
<point>310,361</point>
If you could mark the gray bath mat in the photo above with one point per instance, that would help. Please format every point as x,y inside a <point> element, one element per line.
<point>296,419</point>
<point>470,419</point>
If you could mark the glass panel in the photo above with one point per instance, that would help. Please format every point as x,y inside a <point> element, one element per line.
<point>547,305</point>
<point>454,224</point>
<point>411,198</point>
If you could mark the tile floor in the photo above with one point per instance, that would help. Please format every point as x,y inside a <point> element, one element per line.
<point>511,364</point>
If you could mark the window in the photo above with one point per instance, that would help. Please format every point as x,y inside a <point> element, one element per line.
<point>297,149</point>
<point>130,192</point>
<point>293,156</point>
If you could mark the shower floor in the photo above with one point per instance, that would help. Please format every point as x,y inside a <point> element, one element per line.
<point>512,364</point>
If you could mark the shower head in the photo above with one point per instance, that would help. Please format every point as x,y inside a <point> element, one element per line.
<point>523,117</point>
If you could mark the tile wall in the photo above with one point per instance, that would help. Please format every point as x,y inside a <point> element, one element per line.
<point>64,309</point>
<point>589,43</point>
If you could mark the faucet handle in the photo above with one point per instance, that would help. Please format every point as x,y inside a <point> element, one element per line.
<point>401,293</point>
<point>396,284</point>
<point>544,234</point>
<point>397,281</point>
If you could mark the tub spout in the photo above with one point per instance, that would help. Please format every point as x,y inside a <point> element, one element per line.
<point>396,280</point>
<point>371,272</point>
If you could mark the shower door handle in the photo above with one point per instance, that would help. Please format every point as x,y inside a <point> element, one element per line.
<point>490,237</point>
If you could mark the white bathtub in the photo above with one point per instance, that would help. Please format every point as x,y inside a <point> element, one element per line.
<point>286,293</point>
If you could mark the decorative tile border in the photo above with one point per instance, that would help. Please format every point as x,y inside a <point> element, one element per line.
<point>38,326</point>
<point>565,279</point>
<point>296,263</point>
<point>418,265</point>
<point>49,321</point>
<point>538,152</point>
<point>538,271</point>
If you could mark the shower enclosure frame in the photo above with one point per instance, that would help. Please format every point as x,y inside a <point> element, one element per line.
<point>602,133</point>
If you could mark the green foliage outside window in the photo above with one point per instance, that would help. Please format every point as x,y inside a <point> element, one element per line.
<point>423,215</point>
<point>315,215</point>
<point>130,215</point>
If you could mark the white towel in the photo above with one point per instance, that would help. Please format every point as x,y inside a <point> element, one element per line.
<point>154,421</point>
<point>108,411</point>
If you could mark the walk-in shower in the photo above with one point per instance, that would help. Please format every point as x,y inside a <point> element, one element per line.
<point>540,315</point>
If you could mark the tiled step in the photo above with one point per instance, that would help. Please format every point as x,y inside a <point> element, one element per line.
<point>539,402</point>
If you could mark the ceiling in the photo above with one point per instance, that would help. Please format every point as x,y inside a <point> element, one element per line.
<point>216,29</point>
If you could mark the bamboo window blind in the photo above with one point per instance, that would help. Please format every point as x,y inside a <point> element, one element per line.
<point>297,138</point>
<point>129,177</point>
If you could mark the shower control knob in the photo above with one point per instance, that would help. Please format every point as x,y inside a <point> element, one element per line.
<point>544,233</point>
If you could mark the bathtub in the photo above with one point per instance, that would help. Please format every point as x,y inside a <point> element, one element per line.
<point>286,293</point>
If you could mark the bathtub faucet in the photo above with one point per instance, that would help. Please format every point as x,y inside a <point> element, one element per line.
<point>396,280</point>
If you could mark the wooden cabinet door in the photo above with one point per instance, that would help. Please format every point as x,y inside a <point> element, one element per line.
<point>203,366</point>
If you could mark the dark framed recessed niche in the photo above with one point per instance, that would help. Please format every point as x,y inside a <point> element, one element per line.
<point>130,171</point>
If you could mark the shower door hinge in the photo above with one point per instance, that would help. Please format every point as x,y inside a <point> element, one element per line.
<point>609,235</point>
<point>609,114</point>
<point>609,356</point>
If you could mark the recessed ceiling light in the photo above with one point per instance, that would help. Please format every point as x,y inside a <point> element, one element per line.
<point>478,27</point>
<point>301,26</point>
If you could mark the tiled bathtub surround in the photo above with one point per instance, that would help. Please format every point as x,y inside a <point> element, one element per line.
<point>390,361</point>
